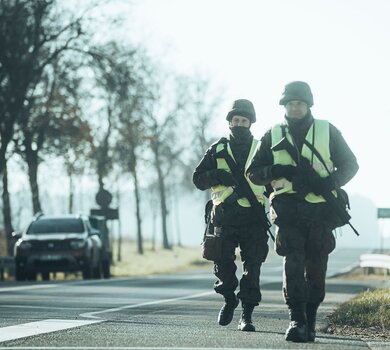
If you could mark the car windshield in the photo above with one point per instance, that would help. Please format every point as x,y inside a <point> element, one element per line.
<point>56,226</point>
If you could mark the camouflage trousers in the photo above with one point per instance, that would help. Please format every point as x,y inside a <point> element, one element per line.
<point>252,241</point>
<point>305,248</point>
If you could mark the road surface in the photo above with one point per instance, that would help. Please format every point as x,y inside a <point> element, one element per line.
<point>158,312</point>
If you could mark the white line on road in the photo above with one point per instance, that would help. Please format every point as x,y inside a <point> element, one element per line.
<point>132,306</point>
<point>40,327</point>
<point>39,307</point>
<point>15,289</point>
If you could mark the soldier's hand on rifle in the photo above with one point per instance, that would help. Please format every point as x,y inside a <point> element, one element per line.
<point>303,179</point>
<point>322,185</point>
<point>287,171</point>
<point>225,178</point>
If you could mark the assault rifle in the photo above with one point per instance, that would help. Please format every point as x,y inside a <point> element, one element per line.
<point>308,175</point>
<point>242,189</point>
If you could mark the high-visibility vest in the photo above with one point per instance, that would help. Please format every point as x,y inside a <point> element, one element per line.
<point>220,193</point>
<point>319,134</point>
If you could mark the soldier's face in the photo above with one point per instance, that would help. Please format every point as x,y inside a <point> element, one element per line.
<point>296,109</point>
<point>238,120</point>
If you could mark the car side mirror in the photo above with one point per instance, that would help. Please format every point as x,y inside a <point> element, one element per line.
<point>16,235</point>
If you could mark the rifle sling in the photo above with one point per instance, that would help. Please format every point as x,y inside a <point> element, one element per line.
<point>310,146</point>
<point>290,148</point>
<point>318,155</point>
<point>243,183</point>
<point>240,179</point>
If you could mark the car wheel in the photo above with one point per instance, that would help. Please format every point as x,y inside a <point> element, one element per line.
<point>31,276</point>
<point>97,271</point>
<point>106,269</point>
<point>87,271</point>
<point>20,275</point>
<point>45,276</point>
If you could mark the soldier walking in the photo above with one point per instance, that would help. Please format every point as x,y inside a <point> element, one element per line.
<point>233,217</point>
<point>303,159</point>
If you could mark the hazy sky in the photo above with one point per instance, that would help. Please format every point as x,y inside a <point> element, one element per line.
<point>254,47</point>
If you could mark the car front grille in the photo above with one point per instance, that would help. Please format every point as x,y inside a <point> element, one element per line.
<point>54,263</point>
<point>50,245</point>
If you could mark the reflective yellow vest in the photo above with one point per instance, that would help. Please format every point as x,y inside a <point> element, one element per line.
<point>321,143</point>
<point>219,193</point>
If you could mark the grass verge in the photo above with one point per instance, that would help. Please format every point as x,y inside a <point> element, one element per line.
<point>366,315</point>
<point>157,261</point>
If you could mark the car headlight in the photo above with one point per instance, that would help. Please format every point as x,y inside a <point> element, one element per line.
<point>25,245</point>
<point>78,244</point>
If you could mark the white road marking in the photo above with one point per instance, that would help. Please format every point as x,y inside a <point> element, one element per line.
<point>40,327</point>
<point>39,307</point>
<point>52,325</point>
<point>40,286</point>
<point>132,306</point>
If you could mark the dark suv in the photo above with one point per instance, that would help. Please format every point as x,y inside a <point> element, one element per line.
<point>65,243</point>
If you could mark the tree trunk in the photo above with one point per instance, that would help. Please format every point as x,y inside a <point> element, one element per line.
<point>176,206</point>
<point>32,163</point>
<point>119,252</point>
<point>138,212</point>
<point>71,194</point>
<point>154,228</point>
<point>163,206</point>
<point>7,209</point>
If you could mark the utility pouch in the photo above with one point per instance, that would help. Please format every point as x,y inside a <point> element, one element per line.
<point>343,202</point>
<point>212,247</point>
<point>212,243</point>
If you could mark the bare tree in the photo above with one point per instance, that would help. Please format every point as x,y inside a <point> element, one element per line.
<point>104,93</point>
<point>32,34</point>
<point>122,74</point>
<point>55,126</point>
<point>163,116</point>
<point>205,103</point>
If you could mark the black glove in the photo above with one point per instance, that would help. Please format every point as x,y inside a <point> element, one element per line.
<point>225,178</point>
<point>254,177</point>
<point>286,171</point>
<point>321,185</point>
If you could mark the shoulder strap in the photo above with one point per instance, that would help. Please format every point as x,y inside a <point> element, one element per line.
<point>245,190</point>
<point>284,144</point>
<point>317,154</point>
<point>311,147</point>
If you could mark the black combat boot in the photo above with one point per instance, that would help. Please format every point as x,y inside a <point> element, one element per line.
<point>245,324</point>
<point>297,330</point>
<point>226,313</point>
<point>311,314</point>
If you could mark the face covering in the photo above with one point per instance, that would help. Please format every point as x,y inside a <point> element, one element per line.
<point>240,132</point>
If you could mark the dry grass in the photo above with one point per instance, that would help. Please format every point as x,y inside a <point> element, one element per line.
<point>366,315</point>
<point>156,261</point>
<point>160,260</point>
<point>3,245</point>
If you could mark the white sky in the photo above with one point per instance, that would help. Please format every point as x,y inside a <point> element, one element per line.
<point>254,47</point>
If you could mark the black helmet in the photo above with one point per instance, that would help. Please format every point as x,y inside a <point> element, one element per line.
<point>244,108</point>
<point>297,90</point>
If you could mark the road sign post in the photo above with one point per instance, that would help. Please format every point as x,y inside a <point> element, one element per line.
<point>383,213</point>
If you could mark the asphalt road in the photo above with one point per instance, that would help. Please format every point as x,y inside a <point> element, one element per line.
<point>159,312</point>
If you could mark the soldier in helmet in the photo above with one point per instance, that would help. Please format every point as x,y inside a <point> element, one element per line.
<point>303,217</point>
<point>233,218</point>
